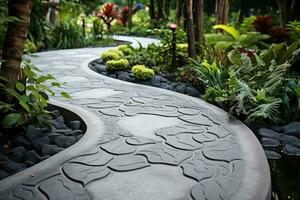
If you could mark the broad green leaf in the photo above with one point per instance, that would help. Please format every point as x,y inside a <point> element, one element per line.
<point>65,95</point>
<point>12,120</point>
<point>55,84</point>
<point>229,29</point>
<point>24,105</point>
<point>20,86</point>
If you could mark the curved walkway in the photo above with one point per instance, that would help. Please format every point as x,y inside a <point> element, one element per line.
<point>142,143</point>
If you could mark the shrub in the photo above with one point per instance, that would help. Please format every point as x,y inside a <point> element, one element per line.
<point>117,65</point>
<point>30,47</point>
<point>142,72</point>
<point>112,55</point>
<point>127,50</point>
<point>183,47</point>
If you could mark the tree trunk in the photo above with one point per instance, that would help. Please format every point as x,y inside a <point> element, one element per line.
<point>130,6</point>
<point>179,5</point>
<point>161,15</point>
<point>190,29</point>
<point>16,35</point>
<point>284,11</point>
<point>222,11</point>
<point>241,13</point>
<point>152,10</point>
<point>198,20</point>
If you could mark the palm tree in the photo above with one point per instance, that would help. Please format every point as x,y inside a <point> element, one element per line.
<point>16,35</point>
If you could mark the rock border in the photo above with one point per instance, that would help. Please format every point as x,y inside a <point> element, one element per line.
<point>94,131</point>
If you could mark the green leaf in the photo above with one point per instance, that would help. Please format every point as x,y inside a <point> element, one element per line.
<point>229,29</point>
<point>65,95</point>
<point>12,119</point>
<point>20,86</point>
<point>24,105</point>
<point>55,84</point>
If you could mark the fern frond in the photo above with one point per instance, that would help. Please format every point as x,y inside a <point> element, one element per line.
<point>268,111</point>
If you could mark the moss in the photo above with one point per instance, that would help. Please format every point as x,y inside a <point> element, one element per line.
<point>117,65</point>
<point>142,72</point>
<point>112,55</point>
<point>126,49</point>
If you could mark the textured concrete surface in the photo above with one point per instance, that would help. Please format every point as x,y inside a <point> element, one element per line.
<point>142,143</point>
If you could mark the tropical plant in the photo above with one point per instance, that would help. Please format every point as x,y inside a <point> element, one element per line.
<point>294,30</point>
<point>249,39</point>
<point>30,100</point>
<point>67,35</point>
<point>108,13</point>
<point>211,74</point>
<point>263,24</point>
<point>124,15</point>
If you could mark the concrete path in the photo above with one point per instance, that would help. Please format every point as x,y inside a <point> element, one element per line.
<point>142,143</point>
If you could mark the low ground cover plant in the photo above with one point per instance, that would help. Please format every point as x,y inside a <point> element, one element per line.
<point>142,72</point>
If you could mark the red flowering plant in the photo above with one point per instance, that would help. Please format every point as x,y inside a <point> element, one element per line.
<point>124,15</point>
<point>108,13</point>
<point>263,24</point>
<point>279,34</point>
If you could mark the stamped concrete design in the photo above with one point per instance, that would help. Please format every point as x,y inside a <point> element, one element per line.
<point>142,143</point>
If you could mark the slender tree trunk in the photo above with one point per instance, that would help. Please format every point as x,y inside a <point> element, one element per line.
<point>16,35</point>
<point>198,20</point>
<point>130,6</point>
<point>161,15</point>
<point>179,5</point>
<point>222,11</point>
<point>241,13</point>
<point>167,8</point>
<point>284,11</point>
<point>152,10</point>
<point>190,29</point>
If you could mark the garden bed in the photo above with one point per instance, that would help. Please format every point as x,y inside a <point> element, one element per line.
<point>162,80</point>
<point>38,144</point>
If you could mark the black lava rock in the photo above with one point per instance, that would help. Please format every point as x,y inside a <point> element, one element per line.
<point>39,142</point>
<point>29,164</point>
<point>287,139</point>
<point>291,150</point>
<point>10,166</point>
<point>50,149</point>
<point>53,136</point>
<point>100,68</point>
<point>58,125</point>
<point>269,133</point>
<point>3,174</point>
<point>181,87</point>
<point>22,141</point>
<point>122,75</point>
<point>32,156</point>
<point>56,113</point>
<point>33,133</point>
<point>272,155</point>
<point>112,75</point>
<point>74,133</point>
<point>60,119</point>
<point>79,136</point>
<point>74,125</point>
<point>64,141</point>
<point>17,154</point>
<point>192,91</point>
<point>269,142</point>
<point>293,127</point>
